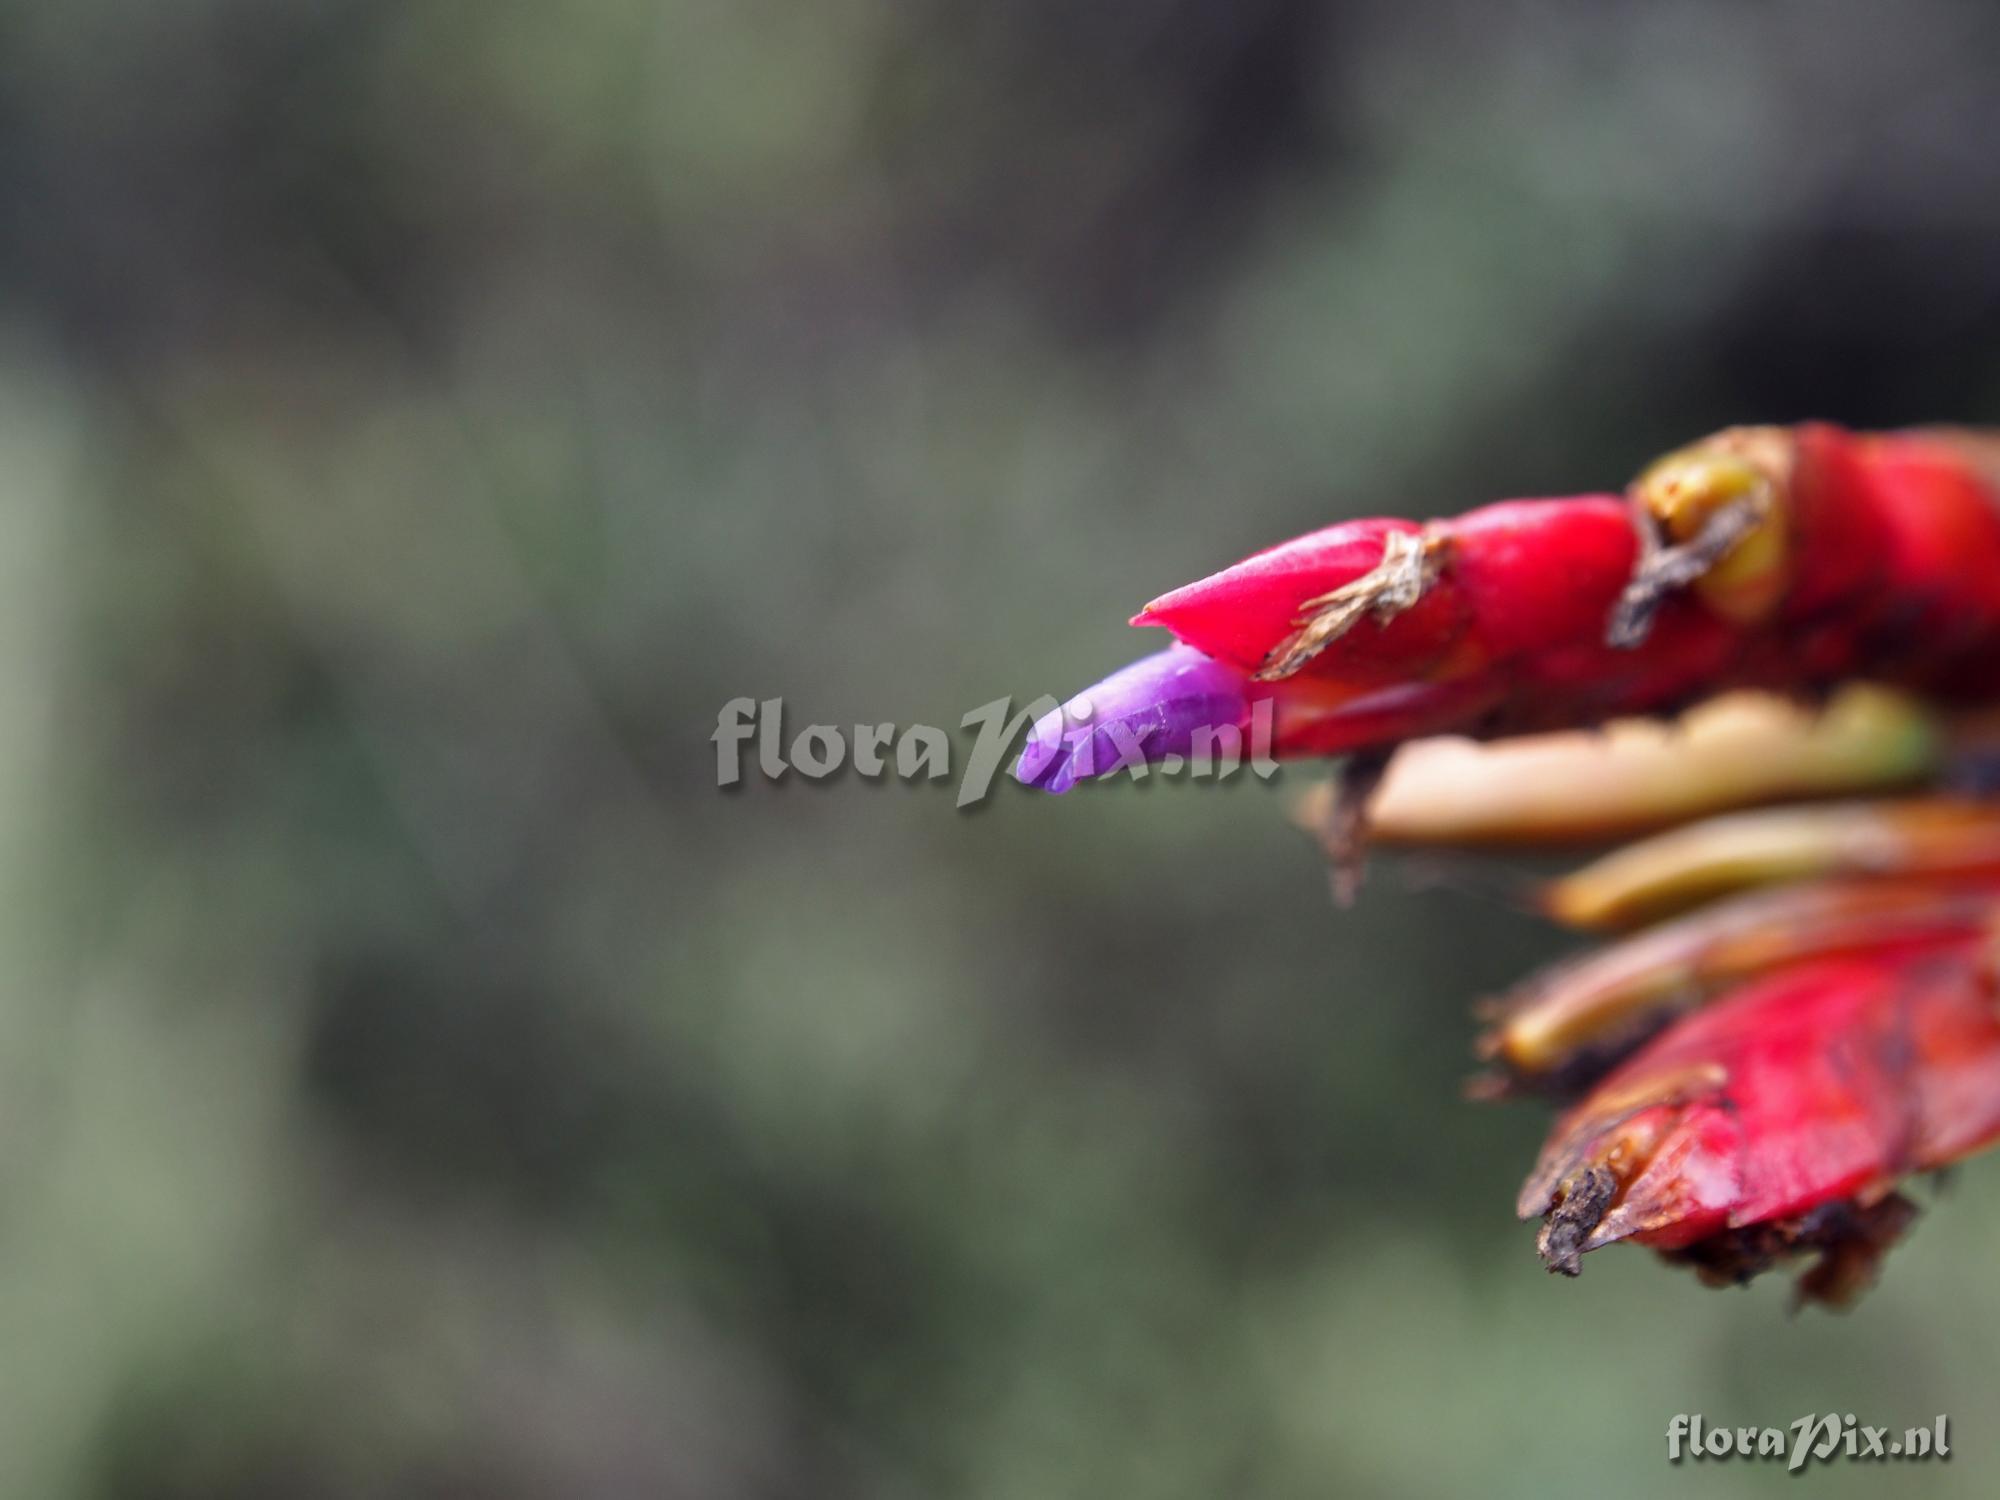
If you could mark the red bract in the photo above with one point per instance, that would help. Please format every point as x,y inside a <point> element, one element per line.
<point>1496,585</point>
<point>1492,623</point>
<point>1757,1077</point>
<point>1763,557</point>
<point>1729,1138</point>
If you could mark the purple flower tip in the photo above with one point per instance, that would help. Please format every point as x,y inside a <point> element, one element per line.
<point>1146,712</point>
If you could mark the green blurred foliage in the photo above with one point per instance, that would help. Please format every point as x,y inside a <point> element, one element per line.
<point>420,1079</point>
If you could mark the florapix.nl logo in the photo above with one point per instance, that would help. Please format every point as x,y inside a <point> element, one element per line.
<point>750,739</point>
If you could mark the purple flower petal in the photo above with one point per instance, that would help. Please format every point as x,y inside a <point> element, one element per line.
<point>1148,711</point>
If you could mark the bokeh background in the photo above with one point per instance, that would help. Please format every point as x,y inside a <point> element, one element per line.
<point>417,1078</point>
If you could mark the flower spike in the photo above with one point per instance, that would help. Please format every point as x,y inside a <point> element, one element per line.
<point>1810,1011</point>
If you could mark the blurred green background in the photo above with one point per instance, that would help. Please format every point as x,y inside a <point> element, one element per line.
<point>417,1078</point>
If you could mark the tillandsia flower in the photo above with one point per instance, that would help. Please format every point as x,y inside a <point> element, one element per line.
<point>1177,701</point>
<point>1806,1014</point>
<point>1150,710</point>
